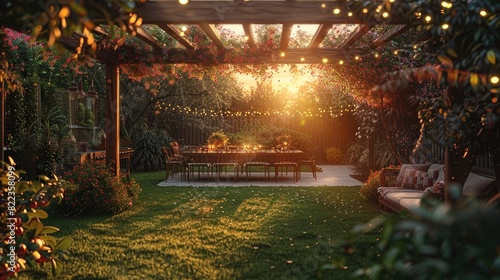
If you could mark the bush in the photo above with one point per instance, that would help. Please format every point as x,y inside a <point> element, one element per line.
<point>452,241</point>
<point>369,190</point>
<point>26,242</point>
<point>334,155</point>
<point>96,191</point>
<point>148,153</point>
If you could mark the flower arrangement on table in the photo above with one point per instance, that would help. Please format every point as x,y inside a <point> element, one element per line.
<point>218,139</point>
<point>284,141</point>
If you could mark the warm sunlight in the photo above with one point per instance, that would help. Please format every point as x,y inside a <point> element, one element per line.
<point>281,79</point>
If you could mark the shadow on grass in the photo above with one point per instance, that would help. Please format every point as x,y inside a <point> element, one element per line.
<point>218,233</point>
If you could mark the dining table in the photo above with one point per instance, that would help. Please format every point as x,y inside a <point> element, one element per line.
<point>241,156</point>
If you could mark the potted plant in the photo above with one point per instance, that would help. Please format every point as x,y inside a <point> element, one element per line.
<point>218,139</point>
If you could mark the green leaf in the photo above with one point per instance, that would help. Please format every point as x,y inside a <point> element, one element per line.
<point>49,230</point>
<point>38,213</point>
<point>43,177</point>
<point>57,267</point>
<point>474,80</point>
<point>445,60</point>
<point>49,240</point>
<point>64,244</point>
<point>490,55</point>
<point>451,52</point>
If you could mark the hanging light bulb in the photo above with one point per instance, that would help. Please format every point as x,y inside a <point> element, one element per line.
<point>73,89</point>
<point>81,93</point>
<point>92,93</point>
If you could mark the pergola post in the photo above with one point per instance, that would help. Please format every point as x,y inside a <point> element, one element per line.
<point>113,117</point>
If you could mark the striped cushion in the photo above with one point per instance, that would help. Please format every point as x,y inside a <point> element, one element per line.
<point>418,179</point>
<point>404,167</point>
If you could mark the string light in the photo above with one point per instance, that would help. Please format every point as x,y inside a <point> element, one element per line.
<point>483,13</point>
<point>445,26</point>
<point>428,18</point>
<point>183,2</point>
<point>494,80</point>
<point>325,60</point>
<point>319,112</point>
<point>336,11</point>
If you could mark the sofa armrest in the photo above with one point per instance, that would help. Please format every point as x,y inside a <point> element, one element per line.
<point>388,172</point>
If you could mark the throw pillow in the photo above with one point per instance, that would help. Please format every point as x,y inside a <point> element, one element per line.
<point>435,192</point>
<point>418,179</point>
<point>404,167</point>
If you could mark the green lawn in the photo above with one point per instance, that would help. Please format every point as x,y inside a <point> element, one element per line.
<point>218,233</point>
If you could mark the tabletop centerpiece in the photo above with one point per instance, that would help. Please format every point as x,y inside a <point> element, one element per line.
<point>218,139</point>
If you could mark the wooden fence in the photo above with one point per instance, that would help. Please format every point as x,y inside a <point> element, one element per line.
<point>325,132</point>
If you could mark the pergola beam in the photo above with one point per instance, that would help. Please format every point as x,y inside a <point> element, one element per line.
<point>285,36</point>
<point>359,32</point>
<point>262,12</point>
<point>250,35</point>
<point>391,34</point>
<point>174,33</point>
<point>301,56</point>
<point>320,35</point>
<point>213,34</point>
<point>150,40</point>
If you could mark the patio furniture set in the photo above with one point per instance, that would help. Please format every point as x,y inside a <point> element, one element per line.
<point>212,163</point>
<point>416,181</point>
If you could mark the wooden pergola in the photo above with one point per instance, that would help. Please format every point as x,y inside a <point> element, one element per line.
<point>362,16</point>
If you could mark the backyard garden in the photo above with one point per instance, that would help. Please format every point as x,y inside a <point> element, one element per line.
<point>76,92</point>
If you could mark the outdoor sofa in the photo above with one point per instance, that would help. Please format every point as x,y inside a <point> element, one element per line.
<point>415,181</point>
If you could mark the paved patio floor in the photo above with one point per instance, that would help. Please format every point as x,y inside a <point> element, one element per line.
<point>332,175</point>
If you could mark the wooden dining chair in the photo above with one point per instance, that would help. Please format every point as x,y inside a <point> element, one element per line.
<point>226,159</point>
<point>285,161</point>
<point>199,163</point>
<point>256,159</point>
<point>310,161</point>
<point>173,165</point>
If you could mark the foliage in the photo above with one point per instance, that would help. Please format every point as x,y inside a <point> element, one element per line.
<point>218,138</point>
<point>96,191</point>
<point>369,189</point>
<point>334,155</point>
<point>148,154</point>
<point>457,241</point>
<point>358,153</point>
<point>54,142</point>
<point>271,136</point>
<point>26,242</point>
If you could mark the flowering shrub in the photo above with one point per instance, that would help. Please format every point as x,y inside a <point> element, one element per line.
<point>26,242</point>
<point>97,191</point>
<point>369,190</point>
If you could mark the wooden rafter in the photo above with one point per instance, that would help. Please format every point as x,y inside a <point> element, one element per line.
<point>177,36</point>
<point>391,34</point>
<point>150,40</point>
<point>213,34</point>
<point>320,35</point>
<point>285,36</point>
<point>250,35</point>
<point>359,32</point>
<point>263,12</point>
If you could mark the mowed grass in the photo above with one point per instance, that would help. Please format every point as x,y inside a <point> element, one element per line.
<point>218,233</point>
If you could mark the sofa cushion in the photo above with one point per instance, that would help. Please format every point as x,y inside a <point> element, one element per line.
<point>408,199</point>
<point>404,167</point>
<point>477,185</point>
<point>419,180</point>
